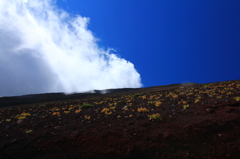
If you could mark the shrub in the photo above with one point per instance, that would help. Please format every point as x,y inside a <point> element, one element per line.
<point>197,100</point>
<point>237,98</point>
<point>157,104</point>
<point>144,97</point>
<point>55,113</point>
<point>106,111</point>
<point>66,111</point>
<point>174,95</point>
<point>142,109</point>
<point>156,116</point>
<point>29,131</point>
<point>78,110</point>
<point>186,106</point>
<point>87,117</point>
<point>112,108</point>
<point>22,116</point>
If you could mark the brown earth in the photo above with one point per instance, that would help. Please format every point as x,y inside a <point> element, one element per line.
<point>196,121</point>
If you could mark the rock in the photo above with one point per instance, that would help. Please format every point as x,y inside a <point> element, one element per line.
<point>125,107</point>
<point>57,127</point>
<point>173,105</point>
<point>36,114</point>
<point>46,126</point>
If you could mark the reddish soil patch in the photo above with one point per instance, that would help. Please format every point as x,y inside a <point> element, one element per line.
<point>197,121</point>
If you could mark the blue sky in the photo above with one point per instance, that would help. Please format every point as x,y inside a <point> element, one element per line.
<point>54,46</point>
<point>169,41</point>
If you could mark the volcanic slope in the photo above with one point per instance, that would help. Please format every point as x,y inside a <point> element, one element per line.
<point>176,121</point>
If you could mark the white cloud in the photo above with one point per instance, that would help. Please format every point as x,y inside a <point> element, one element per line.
<point>44,49</point>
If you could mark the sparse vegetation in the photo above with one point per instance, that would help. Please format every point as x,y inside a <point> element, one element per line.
<point>132,114</point>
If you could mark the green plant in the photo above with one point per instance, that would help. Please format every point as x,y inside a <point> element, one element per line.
<point>29,131</point>
<point>156,116</point>
<point>85,106</point>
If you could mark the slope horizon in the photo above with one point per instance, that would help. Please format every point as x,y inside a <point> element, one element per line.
<point>106,91</point>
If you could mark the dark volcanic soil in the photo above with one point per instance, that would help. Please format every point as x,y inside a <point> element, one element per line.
<point>193,121</point>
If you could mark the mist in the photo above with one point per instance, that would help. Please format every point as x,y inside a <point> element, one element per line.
<point>45,49</point>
